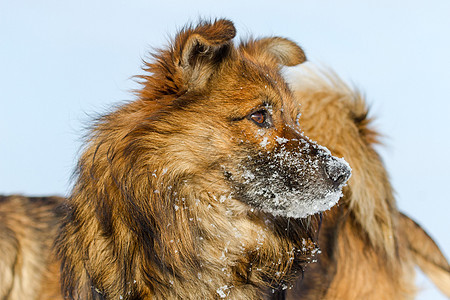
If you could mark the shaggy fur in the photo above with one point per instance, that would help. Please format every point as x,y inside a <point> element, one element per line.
<point>27,231</point>
<point>165,206</point>
<point>369,249</point>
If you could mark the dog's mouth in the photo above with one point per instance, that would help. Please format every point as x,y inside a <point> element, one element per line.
<point>291,184</point>
<point>297,204</point>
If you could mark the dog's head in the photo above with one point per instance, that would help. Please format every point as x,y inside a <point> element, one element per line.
<point>228,114</point>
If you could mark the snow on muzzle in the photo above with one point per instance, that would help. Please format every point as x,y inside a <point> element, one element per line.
<point>295,179</point>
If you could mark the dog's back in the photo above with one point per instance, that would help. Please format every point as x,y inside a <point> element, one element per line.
<point>369,249</point>
<point>28,227</point>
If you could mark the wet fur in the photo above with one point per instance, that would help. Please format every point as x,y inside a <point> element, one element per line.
<point>369,249</point>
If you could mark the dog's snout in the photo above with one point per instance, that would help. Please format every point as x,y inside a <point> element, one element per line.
<point>338,171</point>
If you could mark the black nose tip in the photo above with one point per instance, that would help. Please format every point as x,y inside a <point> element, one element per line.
<point>338,171</point>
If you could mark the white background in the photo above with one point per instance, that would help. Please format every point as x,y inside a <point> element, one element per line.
<point>63,62</point>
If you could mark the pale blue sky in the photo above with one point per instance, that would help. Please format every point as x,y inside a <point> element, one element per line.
<point>62,62</point>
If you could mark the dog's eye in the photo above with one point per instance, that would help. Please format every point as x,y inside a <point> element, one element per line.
<point>260,118</point>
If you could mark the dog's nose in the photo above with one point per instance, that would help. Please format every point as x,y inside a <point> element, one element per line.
<point>338,171</point>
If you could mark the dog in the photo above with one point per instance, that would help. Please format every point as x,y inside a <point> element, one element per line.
<point>175,195</point>
<point>369,248</point>
<point>203,187</point>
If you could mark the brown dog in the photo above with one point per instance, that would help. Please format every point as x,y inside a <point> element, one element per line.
<point>197,189</point>
<point>201,188</point>
<point>369,248</point>
<point>176,195</point>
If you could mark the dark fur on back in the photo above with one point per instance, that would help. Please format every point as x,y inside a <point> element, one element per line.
<point>368,248</point>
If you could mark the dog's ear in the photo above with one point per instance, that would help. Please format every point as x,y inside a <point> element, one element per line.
<point>199,51</point>
<point>190,60</point>
<point>275,49</point>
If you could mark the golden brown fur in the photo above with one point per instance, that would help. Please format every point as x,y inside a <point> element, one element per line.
<point>426,254</point>
<point>369,249</point>
<point>165,206</point>
<point>27,230</point>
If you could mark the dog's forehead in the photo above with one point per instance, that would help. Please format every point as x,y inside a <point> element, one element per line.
<point>253,79</point>
<point>259,70</point>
